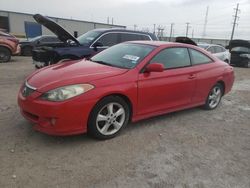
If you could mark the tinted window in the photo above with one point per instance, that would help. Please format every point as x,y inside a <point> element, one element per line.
<point>241,49</point>
<point>211,49</point>
<point>132,36</point>
<point>54,39</point>
<point>145,37</point>
<point>123,55</point>
<point>109,39</point>
<point>172,58</point>
<point>50,39</point>
<point>218,49</point>
<point>199,58</point>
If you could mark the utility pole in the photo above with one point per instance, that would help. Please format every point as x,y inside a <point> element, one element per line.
<point>187,28</point>
<point>135,26</point>
<point>171,31</point>
<point>112,21</point>
<point>192,33</point>
<point>235,20</point>
<point>205,23</point>
<point>108,20</point>
<point>154,28</point>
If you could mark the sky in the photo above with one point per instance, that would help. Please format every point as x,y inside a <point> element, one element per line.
<point>143,14</point>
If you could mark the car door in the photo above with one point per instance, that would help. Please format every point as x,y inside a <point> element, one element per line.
<point>171,88</point>
<point>206,71</point>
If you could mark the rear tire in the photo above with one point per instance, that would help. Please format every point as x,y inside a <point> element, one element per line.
<point>5,55</point>
<point>214,97</point>
<point>108,118</point>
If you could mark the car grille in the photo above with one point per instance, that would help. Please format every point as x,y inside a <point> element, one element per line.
<point>27,90</point>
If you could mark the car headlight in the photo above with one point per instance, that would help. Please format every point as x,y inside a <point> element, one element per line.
<point>245,55</point>
<point>66,92</point>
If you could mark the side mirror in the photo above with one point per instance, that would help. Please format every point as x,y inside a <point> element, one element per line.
<point>97,44</point>
<point>38,42</point>
<point>154,67</point>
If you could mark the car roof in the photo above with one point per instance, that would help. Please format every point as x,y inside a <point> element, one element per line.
<point>121,30</point>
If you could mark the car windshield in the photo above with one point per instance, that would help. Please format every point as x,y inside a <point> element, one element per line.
<point>204,46</point>
<point>240,49</point>
<point>35,38</point>
<point>125,55</point>
<point>88,37</point>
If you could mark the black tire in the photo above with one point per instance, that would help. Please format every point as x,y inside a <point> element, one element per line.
<point>209,105</point>
<point>5,55</point>
<point>93,125</point>
<point>27,51</point>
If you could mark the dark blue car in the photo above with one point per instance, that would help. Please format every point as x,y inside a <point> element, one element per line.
<point>84,46</point>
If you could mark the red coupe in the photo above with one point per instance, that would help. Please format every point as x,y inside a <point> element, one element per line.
<point>127,82</point>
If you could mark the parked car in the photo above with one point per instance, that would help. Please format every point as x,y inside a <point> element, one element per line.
<point>8,46</point>
<point>127,82</point>
<point>84,46</point>
<point>240,52</point>
<point>44,40</point>
<point>217,50</point>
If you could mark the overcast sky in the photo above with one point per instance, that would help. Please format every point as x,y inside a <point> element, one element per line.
<point>146,13</point>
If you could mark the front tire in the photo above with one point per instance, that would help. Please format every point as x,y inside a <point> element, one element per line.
<point>108,117</point>
<point>5,55</point>
<point>214,97</point>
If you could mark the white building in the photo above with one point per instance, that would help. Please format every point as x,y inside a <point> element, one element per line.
<point>23,25</point>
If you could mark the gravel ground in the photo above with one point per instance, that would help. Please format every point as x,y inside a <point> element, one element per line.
<point>186,149</point>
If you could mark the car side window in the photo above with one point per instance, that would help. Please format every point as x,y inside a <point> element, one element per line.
<point>109,39</point>
<point>211,49</point>
<point>199,58</point>
<point>132,36</point>
<point>44,40</point>
<point>172,58</point>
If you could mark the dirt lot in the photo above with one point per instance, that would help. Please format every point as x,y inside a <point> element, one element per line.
<point>191,148</point>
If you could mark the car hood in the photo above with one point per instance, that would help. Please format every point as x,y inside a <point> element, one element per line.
<point>238,43</point>
<point>61,33</point>
<point>71,72</point>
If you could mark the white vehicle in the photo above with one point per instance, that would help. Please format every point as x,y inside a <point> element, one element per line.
<point>217,50</point>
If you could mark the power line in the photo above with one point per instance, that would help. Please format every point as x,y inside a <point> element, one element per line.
<point>235,20</point>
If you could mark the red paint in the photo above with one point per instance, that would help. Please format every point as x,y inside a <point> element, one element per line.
<point>150,93</point>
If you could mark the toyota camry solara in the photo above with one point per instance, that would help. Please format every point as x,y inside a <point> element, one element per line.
<point>127,82</point>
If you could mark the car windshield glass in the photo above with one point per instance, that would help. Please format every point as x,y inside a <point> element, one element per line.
<point>125,55</point>
<point>88,37</point>
<point>203,46</point>
<point>35,38</point>
<point>241,49</point>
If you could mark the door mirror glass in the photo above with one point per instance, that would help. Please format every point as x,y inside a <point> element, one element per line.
<point>154,67</point>
<point>97,44</point>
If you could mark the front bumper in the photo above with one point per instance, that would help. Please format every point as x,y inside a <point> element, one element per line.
<point>18,50</point>
<point>56,118</point>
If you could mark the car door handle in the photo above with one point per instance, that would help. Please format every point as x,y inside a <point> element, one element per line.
<point>191,76</point>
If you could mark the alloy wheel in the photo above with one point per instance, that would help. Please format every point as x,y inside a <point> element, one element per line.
<point>110,118</point>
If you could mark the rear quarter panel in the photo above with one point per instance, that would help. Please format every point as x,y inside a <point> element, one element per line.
<point>207,75</point>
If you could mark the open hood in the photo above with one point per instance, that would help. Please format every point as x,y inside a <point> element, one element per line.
<point>61,33</point>
<point>238,43</point>
<point>185,40</point>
